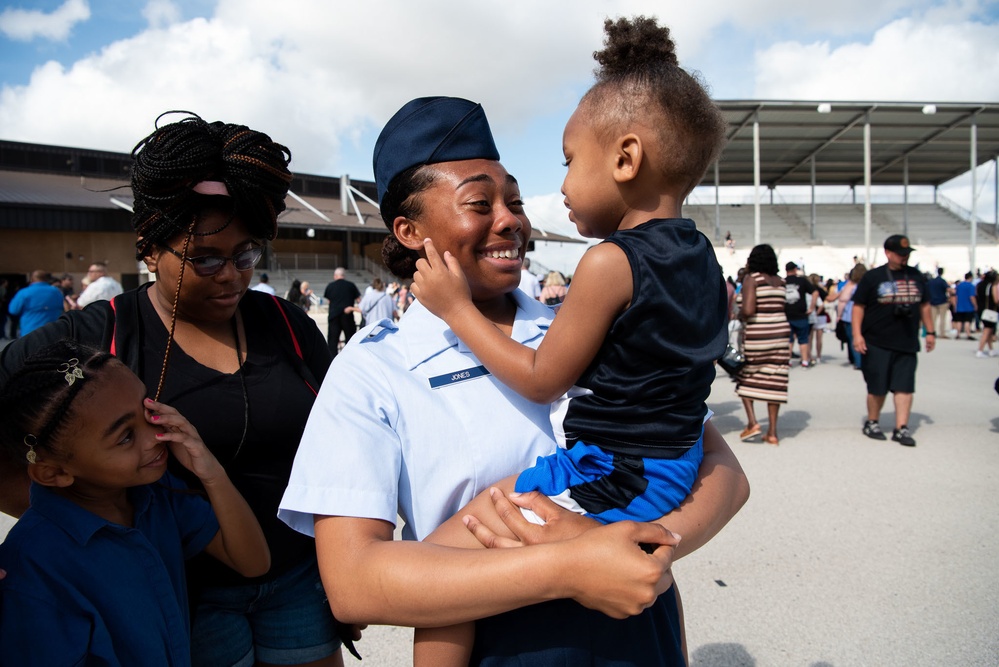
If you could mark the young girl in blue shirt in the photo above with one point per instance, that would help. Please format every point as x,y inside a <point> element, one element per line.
<point>645,320</point>
<point>95,567</point>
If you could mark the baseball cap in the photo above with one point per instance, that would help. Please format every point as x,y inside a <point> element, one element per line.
<point>790,266</point>
<point>898,244</point>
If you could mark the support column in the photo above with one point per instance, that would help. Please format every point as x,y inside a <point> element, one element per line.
<point>974,192</point>
<point>811,225</point>
<point>867,189</point>
<point>756,179</point>
<point>717,204</point>
<point>905,195</point>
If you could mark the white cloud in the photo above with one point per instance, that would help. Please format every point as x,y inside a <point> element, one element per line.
<point>27,24</point>
<point>161,13</point>
<point>321,77</point>
<point>316,74</point>
<point>907,60</point>
<point>840,17</point>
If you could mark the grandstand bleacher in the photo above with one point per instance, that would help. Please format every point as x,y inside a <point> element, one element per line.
<point>941,238</point>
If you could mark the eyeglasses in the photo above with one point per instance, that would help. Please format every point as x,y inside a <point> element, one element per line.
<point>209,265</point>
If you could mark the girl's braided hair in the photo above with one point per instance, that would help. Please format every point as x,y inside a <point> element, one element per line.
<point>640,79</point>
<point>175,157</point>
<point>37,401</point>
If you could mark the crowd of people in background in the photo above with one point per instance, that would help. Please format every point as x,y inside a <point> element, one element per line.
<point>778,312</point>
<point>47,296</point>
<point>957,306</point>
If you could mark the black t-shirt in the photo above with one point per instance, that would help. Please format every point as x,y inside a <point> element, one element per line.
<point>341,294</point>
<point>820,299</point>
<point>891,301</point>
<point>796,300</point>
<point>981,295</point>
<point>273,414</point>
<point>652,375</point>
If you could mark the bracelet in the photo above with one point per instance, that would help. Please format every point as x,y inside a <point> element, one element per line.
<point>931,333</point>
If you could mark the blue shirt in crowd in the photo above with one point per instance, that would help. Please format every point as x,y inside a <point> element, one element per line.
<point>937,289</point>
<point>965,291</point>
<point>36,305</point>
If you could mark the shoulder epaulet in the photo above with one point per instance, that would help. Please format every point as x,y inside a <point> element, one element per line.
<point>379,330</point>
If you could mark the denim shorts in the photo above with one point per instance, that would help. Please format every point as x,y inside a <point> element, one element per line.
<point>285,621</point>
<point>800,329</point>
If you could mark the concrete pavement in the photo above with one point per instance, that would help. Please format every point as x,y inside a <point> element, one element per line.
<point>850,551</point>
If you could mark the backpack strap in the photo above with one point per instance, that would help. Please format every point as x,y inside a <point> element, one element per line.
<point>291,332</point>
<point>298,360</point>
<point>123,329</point>
<point>113,348</point>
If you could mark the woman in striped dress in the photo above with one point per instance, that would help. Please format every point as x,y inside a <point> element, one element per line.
<point>764,377</point>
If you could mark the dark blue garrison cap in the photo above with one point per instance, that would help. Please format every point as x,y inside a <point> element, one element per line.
<point>429,130</point>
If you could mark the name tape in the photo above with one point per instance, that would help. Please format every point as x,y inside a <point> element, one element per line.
<point>458,376</point>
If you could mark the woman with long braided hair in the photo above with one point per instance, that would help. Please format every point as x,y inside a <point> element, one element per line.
<point>242,366</point>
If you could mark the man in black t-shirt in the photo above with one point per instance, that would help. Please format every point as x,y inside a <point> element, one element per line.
<point>797,309</point>
<point>888,306</point>
<point>343,297</point>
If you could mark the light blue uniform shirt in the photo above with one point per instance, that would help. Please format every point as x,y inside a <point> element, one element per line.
<point>409,423</point>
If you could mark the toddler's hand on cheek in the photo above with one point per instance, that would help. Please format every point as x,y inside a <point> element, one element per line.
<point>440,285</point>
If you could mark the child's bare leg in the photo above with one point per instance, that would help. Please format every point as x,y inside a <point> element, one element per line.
<point>683,626</point>
<point>449,646</point>
<point>452,645</point>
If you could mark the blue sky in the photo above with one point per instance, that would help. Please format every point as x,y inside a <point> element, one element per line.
<point>322,76</point>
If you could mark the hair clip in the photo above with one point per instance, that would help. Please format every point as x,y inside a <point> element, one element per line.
<point>31,455</point>
<point>72,370</point>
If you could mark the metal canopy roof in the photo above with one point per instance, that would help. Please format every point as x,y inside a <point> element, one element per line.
<point>935,146</point>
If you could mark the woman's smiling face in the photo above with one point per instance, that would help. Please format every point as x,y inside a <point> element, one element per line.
<point>474,210</point>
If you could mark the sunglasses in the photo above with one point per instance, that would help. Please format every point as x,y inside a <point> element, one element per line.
<point>209,265</point>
